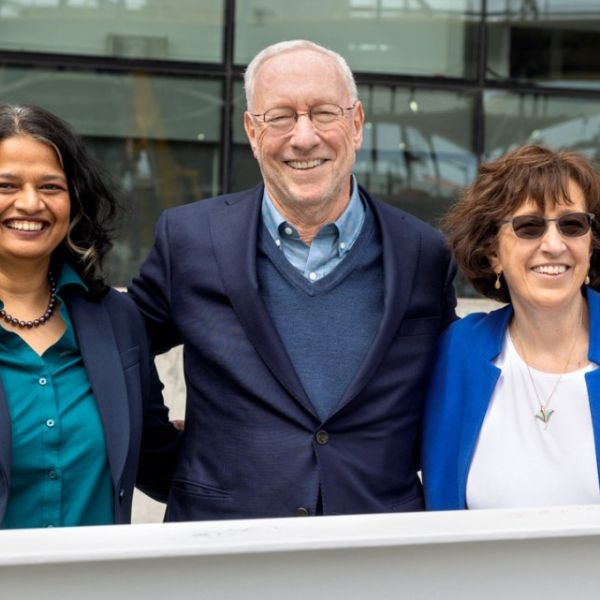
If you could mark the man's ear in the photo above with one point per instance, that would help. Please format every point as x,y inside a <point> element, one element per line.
<point>358,119</point>
<point>251,131</point>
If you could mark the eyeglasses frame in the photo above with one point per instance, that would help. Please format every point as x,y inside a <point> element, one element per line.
<point>591,217</point>
<point>308,113</point>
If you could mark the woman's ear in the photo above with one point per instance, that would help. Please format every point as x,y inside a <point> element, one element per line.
<point>495,262</point>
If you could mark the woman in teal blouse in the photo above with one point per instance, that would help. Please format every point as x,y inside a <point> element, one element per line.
<point>76,381</point>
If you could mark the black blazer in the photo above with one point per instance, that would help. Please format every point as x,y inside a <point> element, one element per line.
<point>253,445</point>
<point>113,344</point>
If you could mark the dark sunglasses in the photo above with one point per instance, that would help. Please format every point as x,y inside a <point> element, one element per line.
<point>531,227</point>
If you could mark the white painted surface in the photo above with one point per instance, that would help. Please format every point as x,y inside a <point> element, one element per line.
<point>550,553</point>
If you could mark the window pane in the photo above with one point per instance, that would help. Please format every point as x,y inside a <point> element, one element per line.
<point>437,38</point>
<point>552,42</point>
<point>417,149</point>
<point>515,119</point>
<point>158,136</point>
<point>244,168</point>
<point>175,30</point>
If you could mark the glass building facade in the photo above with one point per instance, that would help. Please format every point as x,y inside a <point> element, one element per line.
<point>155,87</point>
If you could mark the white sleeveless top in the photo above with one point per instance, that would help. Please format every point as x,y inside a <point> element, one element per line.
<point>519,461</point>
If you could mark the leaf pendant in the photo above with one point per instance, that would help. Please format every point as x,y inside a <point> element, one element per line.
<point>544,415</point>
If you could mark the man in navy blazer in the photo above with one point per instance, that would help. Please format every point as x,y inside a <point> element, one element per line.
<point>308,312</point>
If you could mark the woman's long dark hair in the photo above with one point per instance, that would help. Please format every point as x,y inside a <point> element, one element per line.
<point>93,196</point>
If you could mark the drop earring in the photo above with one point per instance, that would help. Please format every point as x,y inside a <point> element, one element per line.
<point>586,281</point>
<point>498,285</point>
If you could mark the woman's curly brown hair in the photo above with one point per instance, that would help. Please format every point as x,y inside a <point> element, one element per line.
<point>533,173</point>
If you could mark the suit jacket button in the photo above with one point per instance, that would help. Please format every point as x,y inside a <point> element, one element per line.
<point>302,512</point>
<point>121,494</point>
<point>322,437</point>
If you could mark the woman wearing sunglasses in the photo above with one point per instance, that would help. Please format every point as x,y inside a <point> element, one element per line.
<point>512,417</point>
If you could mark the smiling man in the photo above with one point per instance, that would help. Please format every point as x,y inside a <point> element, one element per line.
<point>308,312</point>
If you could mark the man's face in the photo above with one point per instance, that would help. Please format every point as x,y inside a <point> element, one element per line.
<point>306,169</point>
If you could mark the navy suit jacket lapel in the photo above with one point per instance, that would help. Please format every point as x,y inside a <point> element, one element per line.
<point>102,361</point>
<point>234,232</point>
<point>401,249</point>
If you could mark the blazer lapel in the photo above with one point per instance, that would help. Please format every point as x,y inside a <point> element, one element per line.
<point>483,376</point>
<point>401,249</point>
<point>102,361</point>
<point>234,231</point>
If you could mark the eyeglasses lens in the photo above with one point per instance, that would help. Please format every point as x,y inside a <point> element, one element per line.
<point>574,225</point>
<point>530,227</point>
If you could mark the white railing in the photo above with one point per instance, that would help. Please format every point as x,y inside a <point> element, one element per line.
<point>549,553</point>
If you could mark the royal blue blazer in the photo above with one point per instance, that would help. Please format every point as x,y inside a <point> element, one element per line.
<point>462,383</point>
<point>113,344</point>
<point>250,446</point>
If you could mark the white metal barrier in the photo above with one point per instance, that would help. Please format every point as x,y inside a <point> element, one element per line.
<point>550,553</point>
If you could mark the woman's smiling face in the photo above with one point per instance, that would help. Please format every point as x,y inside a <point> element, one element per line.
<point>546,272</point>
<point>34,200</point>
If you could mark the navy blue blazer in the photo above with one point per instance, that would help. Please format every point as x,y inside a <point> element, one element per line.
<point>114,348</point>
<point>253,444</point>
<point>462,384</point>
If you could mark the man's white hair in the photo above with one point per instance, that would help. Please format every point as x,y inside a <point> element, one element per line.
<point>290,46</point>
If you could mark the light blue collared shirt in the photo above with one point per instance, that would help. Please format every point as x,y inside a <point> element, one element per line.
<point>330,245</point>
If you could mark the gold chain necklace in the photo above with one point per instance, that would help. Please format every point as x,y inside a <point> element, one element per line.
<point>545,413</point>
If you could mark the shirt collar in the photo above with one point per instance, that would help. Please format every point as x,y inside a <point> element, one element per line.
<point>347,226</point>
<point>68,276</point>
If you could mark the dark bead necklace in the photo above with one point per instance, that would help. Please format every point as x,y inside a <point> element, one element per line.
<point>40,320</point>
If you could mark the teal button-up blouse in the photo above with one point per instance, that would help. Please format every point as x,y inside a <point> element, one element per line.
<point>59,471</point>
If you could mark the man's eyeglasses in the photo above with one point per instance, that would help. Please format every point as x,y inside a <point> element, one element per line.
<point>531,227</point>
<point>284,119</point>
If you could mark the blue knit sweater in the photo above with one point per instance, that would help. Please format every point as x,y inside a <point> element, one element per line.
<point>327,326</point>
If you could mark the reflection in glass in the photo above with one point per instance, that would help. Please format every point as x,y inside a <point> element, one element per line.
<point>417,148</point>
<point>437,37</point>
<point>154,29</point>
<point>244,170</point>
<point>551,42</point>
<point>558,122</point>
<point>158,136</point>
